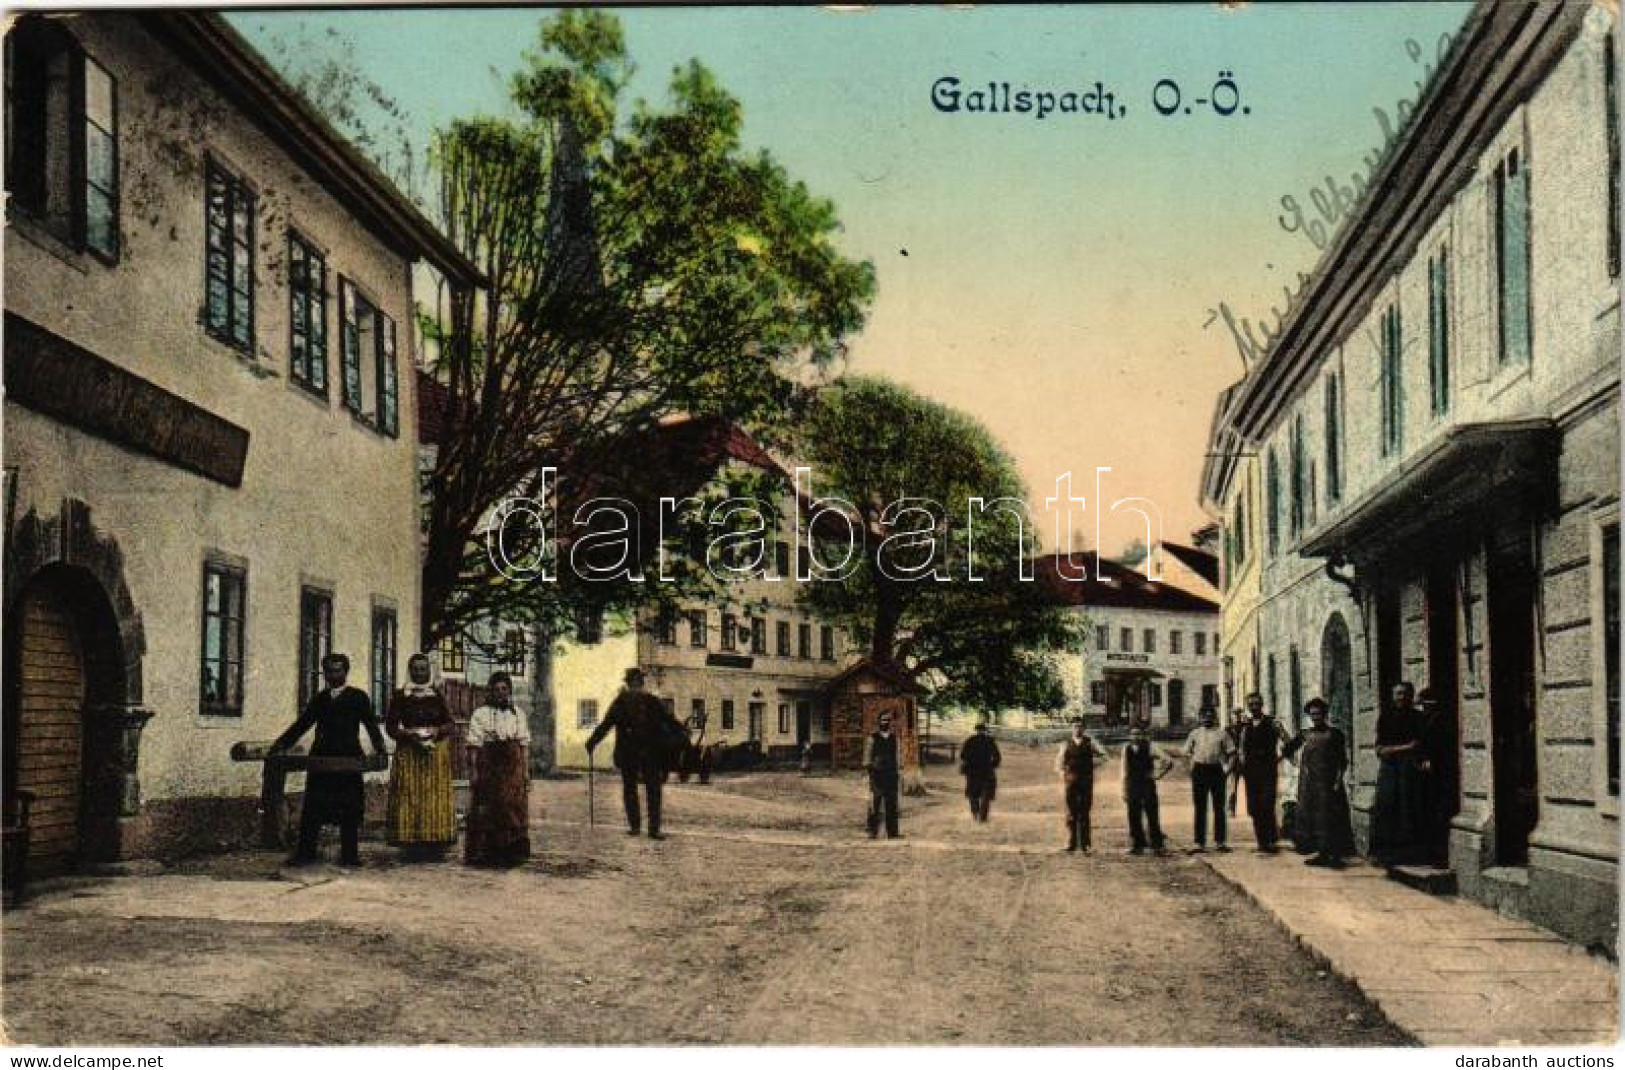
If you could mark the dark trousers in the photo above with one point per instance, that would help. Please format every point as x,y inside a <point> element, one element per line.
<point>1261,785</point>
<point>652,775</point>
<point>1207,787</point>
<point>1143,811</point>
<point>882,803</point>
<point>1080,798</point>
<point>310,834</point>
<point>980,791</point>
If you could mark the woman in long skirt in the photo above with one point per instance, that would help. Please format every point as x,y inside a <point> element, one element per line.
<point>498,745</point>
<point>1396,819</point>
<point>422,813</point>
<point>1321,825</point>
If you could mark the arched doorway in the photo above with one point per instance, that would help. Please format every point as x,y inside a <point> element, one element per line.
<point>64,668</point>
<point>1337,675</point>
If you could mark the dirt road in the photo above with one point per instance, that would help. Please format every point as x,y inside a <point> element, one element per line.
<point>766,918</point>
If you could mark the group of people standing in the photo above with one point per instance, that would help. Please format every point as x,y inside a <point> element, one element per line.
<point>1250,750</point>
<point>422,818</point>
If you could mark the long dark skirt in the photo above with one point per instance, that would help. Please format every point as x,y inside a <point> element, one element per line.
<point>1320,821</point>
<point>1396,818</point>
<point>499,813</point>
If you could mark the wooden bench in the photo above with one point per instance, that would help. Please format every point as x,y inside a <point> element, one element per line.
<point>274,780</point>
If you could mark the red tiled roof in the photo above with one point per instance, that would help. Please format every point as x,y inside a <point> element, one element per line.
<point>1204,564</point>
<point>1115,586</point>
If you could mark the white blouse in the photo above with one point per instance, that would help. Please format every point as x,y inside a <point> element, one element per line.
<point>490,725</point>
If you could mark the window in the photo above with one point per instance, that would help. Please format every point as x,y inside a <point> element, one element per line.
<point>515,652</point>
<point>1210,696</point>
<point>315,639</point>
<point>666,627</point>
<point>781,559</point>
<point>586,713</point>
<point>453,658</point>
<point>62,161</point>
<point>727,714</point>
<point>781,633</point>
<point>1334,439</point>
<point>1154,693</point>
<point>1512,259</point>
<point>696,628</point>
<point>696,712</point>
<point>307,315</point>
<point>222,670</point>
<point>1272,488</point>
<point>804,641</point>
<point>1200,639</point>
<point>589,625</point>
<point>826,643</point>
<point>229,259</point>
<point>1610,97</point>
<point>1393,384</point>
<point>1174,642</point>
<point>383,657</point>
<point>368,350</point>
<point>1103,637</point>
<point>1295,478</point>
<point>1097,692</point>
<point>1125,639</point>
<point>758,635</point>
<point>729,632</point>
<point>670,706</point>
<point>784,718</point>
<point>1150,645</point>
<point>1294,683</point>
<point>1610,659</point>
<point>1439,331</point>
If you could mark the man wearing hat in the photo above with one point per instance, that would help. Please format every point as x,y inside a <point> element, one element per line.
<point>978,763</point>
<point>645,734</point>
<point>1075,761</point>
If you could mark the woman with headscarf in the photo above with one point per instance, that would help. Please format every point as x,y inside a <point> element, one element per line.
<point>498,745</point>
<point>422,815</point>
<point>1321,822</point>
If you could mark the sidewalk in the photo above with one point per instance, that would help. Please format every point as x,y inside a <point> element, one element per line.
<point>1443,969</point>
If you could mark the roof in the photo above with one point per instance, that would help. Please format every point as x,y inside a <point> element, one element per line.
<point>220,54</point>
<point>1500,57</point>
<point>886,670</point>
<point>1113,586</point>
<point>1201,562</point>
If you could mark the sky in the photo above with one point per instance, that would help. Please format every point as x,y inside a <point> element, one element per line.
<point>1057,278</point>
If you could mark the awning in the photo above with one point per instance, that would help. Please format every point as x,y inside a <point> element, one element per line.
<point>1470,472</point>
<point>1132,670</point>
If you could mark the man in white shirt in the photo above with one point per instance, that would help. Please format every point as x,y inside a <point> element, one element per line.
<point>1212,752</point>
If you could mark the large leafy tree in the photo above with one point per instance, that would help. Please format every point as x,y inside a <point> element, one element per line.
<point>971,628</point>
<point>640,263</point>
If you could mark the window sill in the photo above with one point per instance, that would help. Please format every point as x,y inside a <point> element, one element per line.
<point>310,393</point>
<point>258,368</point>
<point>42,237</point>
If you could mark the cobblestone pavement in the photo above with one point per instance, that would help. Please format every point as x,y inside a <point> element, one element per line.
<point>766,918</point>
<point>1447,970</point>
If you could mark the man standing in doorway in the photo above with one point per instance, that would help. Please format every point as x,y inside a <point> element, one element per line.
<point>883,759</point>
<point>1075,761</point>
<point>644,737</point>
<point>1211,754</point>
<point>1260,760</point>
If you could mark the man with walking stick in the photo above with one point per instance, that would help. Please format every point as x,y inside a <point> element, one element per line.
<point>645,739</point>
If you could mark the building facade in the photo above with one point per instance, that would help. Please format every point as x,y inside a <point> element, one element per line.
<point>1437,435</point>
<point>1231,492</point>
<point>210,452</point>
<point>753,668</point>
<point>1150,650</point>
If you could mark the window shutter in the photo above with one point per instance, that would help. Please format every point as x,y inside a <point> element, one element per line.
<point>386,375</point>
<point>350,345</point>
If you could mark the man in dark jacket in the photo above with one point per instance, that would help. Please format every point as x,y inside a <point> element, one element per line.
<point>978,761</point>
<point>338,713</point>
<point>1260,747</point>
<point>646,737</point>
<point>883,759</point>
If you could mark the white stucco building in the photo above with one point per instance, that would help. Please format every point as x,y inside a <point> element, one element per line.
<point>210,447</point>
